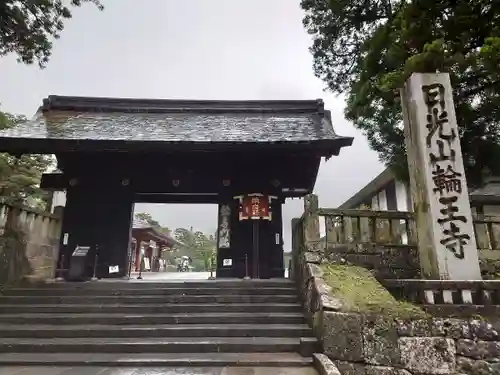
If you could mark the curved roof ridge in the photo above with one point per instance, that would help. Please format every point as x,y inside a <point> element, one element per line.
<point>107,104</point>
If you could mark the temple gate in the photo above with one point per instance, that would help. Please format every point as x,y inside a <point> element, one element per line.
<point>112,153</point>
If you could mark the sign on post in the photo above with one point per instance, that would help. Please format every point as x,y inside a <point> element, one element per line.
<point>447,244</point>
<point>255,206</point>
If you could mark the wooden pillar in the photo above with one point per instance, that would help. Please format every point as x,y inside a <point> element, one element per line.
<point>297,241</point>
<point>274,257</point>
<point>446,239</point>
<point>100,217</point>
<point>227,222</point>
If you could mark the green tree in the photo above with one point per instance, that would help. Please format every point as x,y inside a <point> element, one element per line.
<point>28,28</point>
<point>20,176</point>
<point>147,218</point>
<point>197,245</point>
<point>366,49</point>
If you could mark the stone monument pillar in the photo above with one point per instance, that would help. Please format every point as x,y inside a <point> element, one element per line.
<point>447,244</point>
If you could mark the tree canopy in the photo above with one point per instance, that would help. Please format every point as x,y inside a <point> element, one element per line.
<point>20,176</point>
<point>28,28</point>
<point>197,244</point>
<point>366,49</point>
<point>147,218</point>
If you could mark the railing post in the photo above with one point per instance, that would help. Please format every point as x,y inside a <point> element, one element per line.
<point>311,224</point>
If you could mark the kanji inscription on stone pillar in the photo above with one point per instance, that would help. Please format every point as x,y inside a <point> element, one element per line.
<point>447,244</point>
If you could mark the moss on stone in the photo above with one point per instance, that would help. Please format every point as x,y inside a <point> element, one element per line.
<point>360,292</point>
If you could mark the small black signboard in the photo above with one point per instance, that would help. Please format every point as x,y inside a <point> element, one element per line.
<point>78,264</point>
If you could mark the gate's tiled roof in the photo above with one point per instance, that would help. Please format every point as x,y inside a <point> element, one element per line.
<point>177,121</point>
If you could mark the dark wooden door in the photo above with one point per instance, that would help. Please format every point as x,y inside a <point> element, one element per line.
<point>261,260</point>
<point>269,259</point>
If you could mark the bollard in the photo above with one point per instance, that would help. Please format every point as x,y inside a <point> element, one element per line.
<point>140,269</point>
<point>129,267</point>
<point>60,269</point>
<point>211,277</point>
<point>246,268</point>
<point>94,274</point>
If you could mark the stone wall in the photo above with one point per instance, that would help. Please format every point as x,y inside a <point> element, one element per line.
<point>383,344</point>
<point>386,261</point>
<point>360,344</point>
<point>28,244</point>
<point>402,261</point>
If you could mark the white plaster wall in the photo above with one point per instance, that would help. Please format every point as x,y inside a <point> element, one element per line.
<point>410,200</point>
<point>382,200</point>
<point>491,210</point>
<point>59,199</point>
<point>401,196</point>
<point>375,203</point>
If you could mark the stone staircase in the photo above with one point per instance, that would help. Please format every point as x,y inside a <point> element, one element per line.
<point>204,323</point>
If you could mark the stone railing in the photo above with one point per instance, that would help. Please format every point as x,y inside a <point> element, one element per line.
<point>382,241</point>
<point>28,243</point>
<point>487,231</point>
<point>368,227</point>
<point>449,297</point>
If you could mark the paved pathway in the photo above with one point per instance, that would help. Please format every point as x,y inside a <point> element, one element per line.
<point>174,276</point>
<point>170,276</point>
<point>157,371</point>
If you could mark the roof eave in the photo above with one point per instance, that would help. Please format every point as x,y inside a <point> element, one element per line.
<point>157,234</point>
<point>375,185</point>
<point>477,199</point>
<point>322,147</point>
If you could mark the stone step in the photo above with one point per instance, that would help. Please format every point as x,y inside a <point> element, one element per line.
<point>152,308</point>
<point>142,299</point>
<point>130,319</point>
<point>156,360</point>
<point>153,345</point>
<point>162,291</point>
<point>165,330</point>
<point>149,284</point>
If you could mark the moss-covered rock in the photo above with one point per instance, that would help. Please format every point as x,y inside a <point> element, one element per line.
<point>360,292</point>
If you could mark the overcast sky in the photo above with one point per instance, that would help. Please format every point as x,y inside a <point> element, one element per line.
<point>192,49</point>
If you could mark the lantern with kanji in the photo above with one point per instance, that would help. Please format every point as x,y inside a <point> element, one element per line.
<point>255,206</point>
